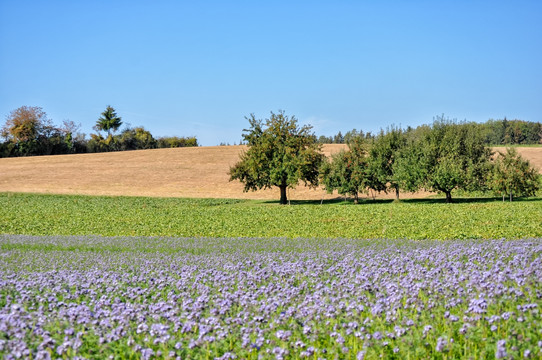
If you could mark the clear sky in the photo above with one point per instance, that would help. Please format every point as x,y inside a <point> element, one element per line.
<point>197,68</point>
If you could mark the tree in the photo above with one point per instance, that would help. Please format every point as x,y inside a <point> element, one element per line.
<point>382,155</point>
<point>443,158</point>
<point>25,123</point>
<point>409,168</point>
<point>98,143</point>
<point>280,154</point>
<point>175,142</point>
<point>512,175</point>
<point>339,138</point>
<point>108,121</point>
<point>136,139</point>
<point>72,137</point>
<point>458,158</point>
<point>347,172</point>
<point>31,131</point>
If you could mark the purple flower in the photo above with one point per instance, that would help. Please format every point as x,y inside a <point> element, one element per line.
<point>500,352</point>
<point>442,342</point>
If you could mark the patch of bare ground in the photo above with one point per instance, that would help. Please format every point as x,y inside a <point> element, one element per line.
<point>200,172</point>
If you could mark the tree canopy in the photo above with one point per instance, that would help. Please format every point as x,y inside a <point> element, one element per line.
<point>25,123</point>
<point>512,175</point>
<point>348,170</point>
<point>28,131</point>
<point>280,153</point>
<point>444,157</point>
<point>109,121</point>
<point>384,151</point>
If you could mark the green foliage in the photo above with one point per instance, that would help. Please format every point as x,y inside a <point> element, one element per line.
<point>136,139</point>
<point>512,175</point>
<point>109,121</point>
<point>98,143</point>
<point>411,167</point>
<point>138,216</point>
<point>280,154</point>
<point>494,133</point>
<point>443,158</point>
<point>339,138</point>
<point>175,142</point>
<point>383,153</point>
<point>28,131</point>
<point>510,132</point>
<point>347,172</point>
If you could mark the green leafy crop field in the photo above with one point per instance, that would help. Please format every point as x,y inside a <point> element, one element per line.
<point>164,278</point>
<point>34,214</point>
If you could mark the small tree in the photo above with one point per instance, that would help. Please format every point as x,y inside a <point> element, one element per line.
<point>71,135</point>
<point>347,172</point>
<point>513,175</point>
<point>108,121</point>
<point>280,154</point>
<point>136,139</point>
<point>175,142</point>
<point>31,131</point>
<point>382,155</point>
<point>410,167</point>
<point>443,158</point>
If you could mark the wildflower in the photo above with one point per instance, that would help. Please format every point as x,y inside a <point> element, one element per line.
<point>427,329</point>
<point>442,342</point>
<point>147,353</point>
<point>500,352</point>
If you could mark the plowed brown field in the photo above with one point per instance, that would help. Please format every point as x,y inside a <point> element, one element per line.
<point>182,172</point>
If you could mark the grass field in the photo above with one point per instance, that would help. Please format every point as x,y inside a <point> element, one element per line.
<point>137,216</point>
<point>154,277</point>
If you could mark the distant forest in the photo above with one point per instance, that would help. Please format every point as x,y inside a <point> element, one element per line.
<point>495,132</point>
<point>29,132</point>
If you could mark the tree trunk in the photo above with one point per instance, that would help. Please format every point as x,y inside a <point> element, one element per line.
<point>510,197</point>
<point>356,198</point>
<point>448,196</point>
<point>283,198</point>
<point>397,192</point>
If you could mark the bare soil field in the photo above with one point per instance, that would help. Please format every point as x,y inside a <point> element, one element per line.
<point>200,172</point>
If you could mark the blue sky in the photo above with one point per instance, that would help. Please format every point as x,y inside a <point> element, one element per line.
<point>198,68</point>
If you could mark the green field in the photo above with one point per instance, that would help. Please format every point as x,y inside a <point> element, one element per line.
<point>34,214</point>
<point>164,278</point>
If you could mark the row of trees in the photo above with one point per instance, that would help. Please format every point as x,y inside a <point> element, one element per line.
<point>493,132</point>
<point>28,131</point>
<point>339,138</point>
<point>511,132</point>
<point>441,157</point>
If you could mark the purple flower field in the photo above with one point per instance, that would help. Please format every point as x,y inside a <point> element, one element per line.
<point>95,297</point>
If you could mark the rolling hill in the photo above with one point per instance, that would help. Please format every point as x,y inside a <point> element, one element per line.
<point>181,172</point>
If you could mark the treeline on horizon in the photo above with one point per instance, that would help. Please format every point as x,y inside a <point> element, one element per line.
<point>494,133</point>
<point>29,132</point>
